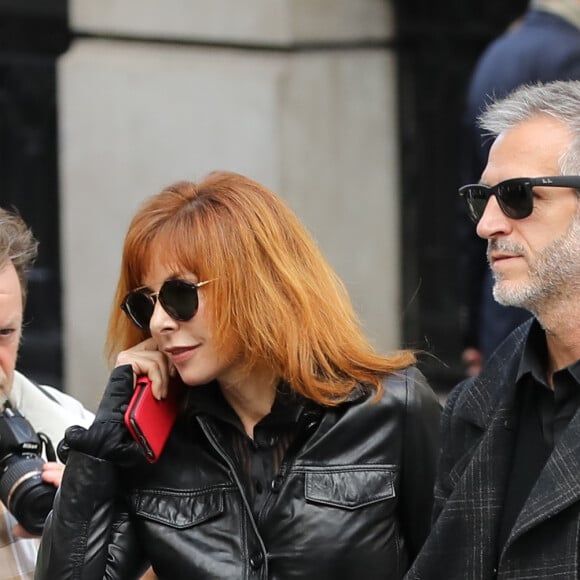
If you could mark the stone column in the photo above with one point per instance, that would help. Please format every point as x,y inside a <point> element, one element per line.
<point>297,94</point>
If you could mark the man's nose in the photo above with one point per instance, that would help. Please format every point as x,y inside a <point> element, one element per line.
<point>493,222</point>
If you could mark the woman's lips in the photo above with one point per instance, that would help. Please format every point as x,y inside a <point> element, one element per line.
<point>181,353</point>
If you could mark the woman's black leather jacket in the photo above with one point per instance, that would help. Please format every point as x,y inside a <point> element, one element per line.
<point>353,501</point>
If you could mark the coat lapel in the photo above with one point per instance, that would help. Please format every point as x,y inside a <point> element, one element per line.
<point>481,489</point>
<point>473,510</point>
<point>494,389</point>
<point>558,485</point>
<point>479,478</point>
<point>474,465</point>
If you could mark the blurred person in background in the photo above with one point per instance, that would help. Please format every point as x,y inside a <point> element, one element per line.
<point>299,452</point>
<point>544,45</point>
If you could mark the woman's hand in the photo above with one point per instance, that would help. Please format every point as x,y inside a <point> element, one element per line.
<point>107,438</point>
<point>145,359</point>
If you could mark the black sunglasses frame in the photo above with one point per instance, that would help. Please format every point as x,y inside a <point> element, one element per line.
<point>515,197</point>
<point>142,320</point>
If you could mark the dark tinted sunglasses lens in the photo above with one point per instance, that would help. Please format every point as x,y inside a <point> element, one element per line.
<point>476,198</point>
<point>515,199</point>
<point>179,299</point>
<point>139,308</point>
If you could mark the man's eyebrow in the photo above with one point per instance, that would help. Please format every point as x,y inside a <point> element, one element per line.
<point>12,321</point>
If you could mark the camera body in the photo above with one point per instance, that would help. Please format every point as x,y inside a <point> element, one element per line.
<point>22,490</point>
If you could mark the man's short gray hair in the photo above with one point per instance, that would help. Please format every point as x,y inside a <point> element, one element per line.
<point>559,99</point>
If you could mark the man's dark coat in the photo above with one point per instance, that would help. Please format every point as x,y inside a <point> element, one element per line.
<point>478,437</point>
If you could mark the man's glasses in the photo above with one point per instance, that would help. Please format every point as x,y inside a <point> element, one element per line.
<point>515,197</point>
<point>178,298</point>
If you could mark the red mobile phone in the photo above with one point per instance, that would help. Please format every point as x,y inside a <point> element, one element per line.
<point>150,420</point>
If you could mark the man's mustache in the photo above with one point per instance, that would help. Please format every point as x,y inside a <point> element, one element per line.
<point>504,246</point>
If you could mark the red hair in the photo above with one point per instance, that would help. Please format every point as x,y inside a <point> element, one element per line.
<point>275,298</point>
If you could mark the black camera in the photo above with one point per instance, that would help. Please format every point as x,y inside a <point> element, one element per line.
<point>22,490</point>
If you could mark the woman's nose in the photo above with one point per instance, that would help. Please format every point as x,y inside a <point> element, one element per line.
<point>160,320</point>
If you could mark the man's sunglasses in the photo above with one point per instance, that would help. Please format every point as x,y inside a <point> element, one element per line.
<point>178,298</point>
<point>515,197</point>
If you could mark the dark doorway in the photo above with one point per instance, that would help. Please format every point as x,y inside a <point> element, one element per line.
<point>438,44</point>
<point>32,36</point>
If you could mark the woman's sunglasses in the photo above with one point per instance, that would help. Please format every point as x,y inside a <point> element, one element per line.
<point>178,298</point>
<point>515,197</point>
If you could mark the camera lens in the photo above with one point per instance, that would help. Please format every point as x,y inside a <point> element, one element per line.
<point>25,494</point>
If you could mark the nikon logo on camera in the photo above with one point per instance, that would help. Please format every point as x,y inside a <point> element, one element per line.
<point>29,446</point>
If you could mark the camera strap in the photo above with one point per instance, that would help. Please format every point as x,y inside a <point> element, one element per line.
<point>45,392</point>
<point>48,446</point>
<point>44,438</point>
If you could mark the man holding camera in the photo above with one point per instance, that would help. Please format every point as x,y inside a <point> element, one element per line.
<point>28,414</point>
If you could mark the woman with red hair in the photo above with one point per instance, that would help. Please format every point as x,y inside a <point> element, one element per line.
<point>298,452</point>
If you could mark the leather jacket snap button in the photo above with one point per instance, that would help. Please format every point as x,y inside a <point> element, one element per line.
<point>257,560</point>
<point>277,483</point>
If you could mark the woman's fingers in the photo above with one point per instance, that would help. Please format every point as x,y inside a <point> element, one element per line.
<point>147,360</point>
